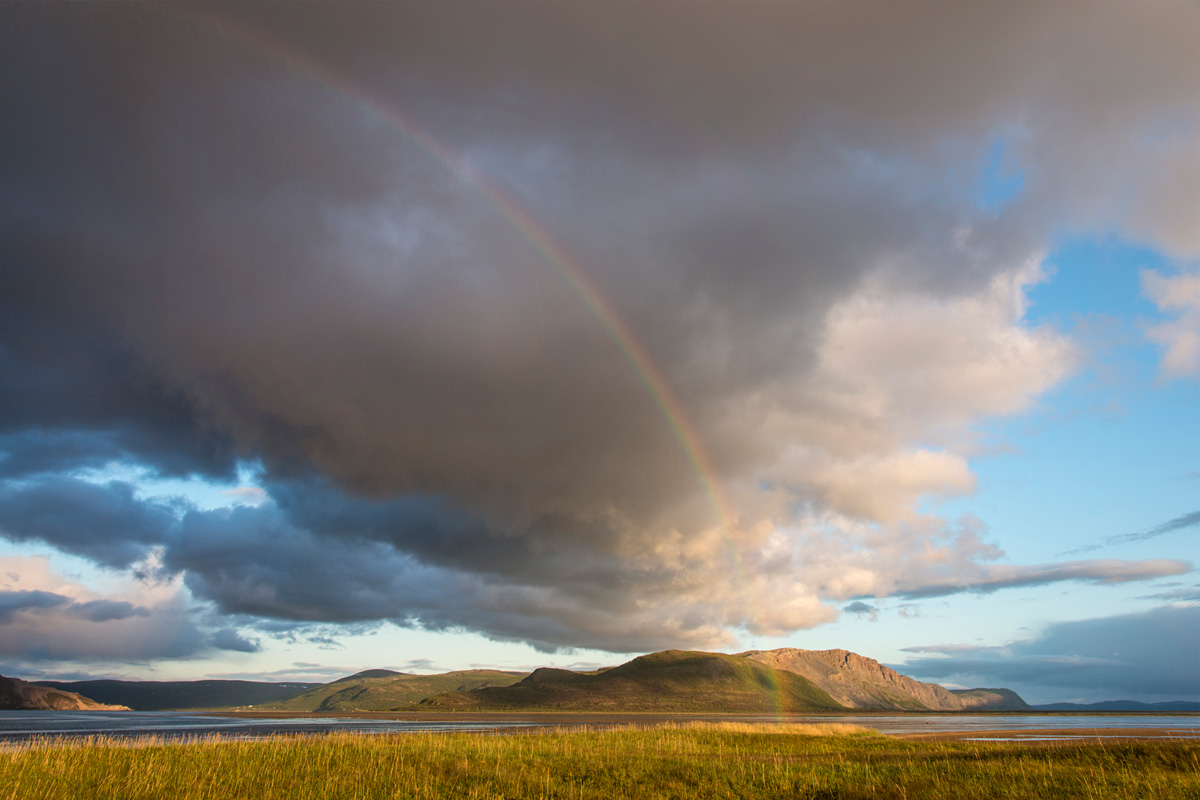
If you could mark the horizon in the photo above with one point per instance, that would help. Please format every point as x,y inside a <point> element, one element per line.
<point>437,337</point>
<point>419,671</point>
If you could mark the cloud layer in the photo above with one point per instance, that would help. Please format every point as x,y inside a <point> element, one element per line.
<point>1150,655</point>
<point>48,619</point>
<point>373,250</point>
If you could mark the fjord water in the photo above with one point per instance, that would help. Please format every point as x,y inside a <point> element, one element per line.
<point>23,725</point>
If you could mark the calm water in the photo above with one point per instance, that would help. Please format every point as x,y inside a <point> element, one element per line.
<point>20,725</point>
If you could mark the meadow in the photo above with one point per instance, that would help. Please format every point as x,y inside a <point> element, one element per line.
<point>692,760</point>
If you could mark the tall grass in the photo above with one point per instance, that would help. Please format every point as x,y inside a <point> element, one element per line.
<point>696,760</point>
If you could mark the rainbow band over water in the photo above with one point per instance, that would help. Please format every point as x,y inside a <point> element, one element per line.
<point>566,267</point>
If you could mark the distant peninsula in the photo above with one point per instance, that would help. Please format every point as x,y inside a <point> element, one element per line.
<point>19,694</point>
<point>786,680</point>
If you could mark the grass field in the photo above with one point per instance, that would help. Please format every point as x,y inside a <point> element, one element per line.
<point>696,760</point>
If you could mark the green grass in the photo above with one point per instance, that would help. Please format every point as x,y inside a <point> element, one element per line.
<point>380,690</point>
<point>726,760</point>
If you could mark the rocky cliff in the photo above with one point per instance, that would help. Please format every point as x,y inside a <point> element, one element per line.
<point>859,682</point>
<point>18,694</point>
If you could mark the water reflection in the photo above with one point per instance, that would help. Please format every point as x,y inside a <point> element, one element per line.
<point>23,725</point>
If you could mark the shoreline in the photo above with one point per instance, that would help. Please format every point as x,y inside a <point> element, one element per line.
<point>449,716</point>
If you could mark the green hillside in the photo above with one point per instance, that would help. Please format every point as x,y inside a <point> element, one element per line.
<point>384,690</point>
<point>670,681</point>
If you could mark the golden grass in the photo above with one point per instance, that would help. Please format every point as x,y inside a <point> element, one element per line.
<point>682,760</point>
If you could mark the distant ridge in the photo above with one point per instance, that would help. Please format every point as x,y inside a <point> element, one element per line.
<point>19,694</point>
<point>1122,705</point>
<point>182,695</point>
<point>859,682</point>
<point>371,673</point>
<point>670,681</point>
<point>384,690</point>
<point>991,700</point>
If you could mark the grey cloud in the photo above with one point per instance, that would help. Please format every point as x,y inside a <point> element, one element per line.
<point>59,630</point>
<point>256,562</point>
<point>326,642</point>
<point>14,602</point>
<point>314,554</point>
<point>440,387</point>
<point>76,398</point>
<point>1150,654</point>
<point>229,639</point>
<point>212,251</point>
<point>859,607</point>
<point>1182,522</point>
<point>107,610</point>
<point>105,523</point>
<point>1183,595</point>
<point>993,577</point>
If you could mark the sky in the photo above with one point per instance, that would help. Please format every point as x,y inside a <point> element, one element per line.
<point>432,336</point>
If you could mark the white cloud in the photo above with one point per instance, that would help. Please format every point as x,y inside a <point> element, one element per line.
<point>886,416</point>
<point>899,357</point>
<point>1177,295</point>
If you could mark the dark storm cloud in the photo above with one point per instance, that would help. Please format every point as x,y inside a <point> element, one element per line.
<point>106,610</point>
<point>105,523</point>
<point>75,397</point>
<point>1153,653</point>
<point>15,602</point>
<point>362,561</point>
<point>229,639</point>
<point>212,248</point>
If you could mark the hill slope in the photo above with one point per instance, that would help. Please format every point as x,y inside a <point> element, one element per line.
<point>18,694</point>
<point>859,682</point>
<point>182,695</point>
<point>991,700</point>
<point>383,690</point>
<point>670,681</point>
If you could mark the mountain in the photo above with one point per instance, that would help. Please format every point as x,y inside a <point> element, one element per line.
<point>182,695</point>
<point>758,681</point>
<point>991,700</point>
<point>670,681</point>
<point>859,682</point>
<point>18,694</point>
<point>1123,705</point>
<point>383,690</point>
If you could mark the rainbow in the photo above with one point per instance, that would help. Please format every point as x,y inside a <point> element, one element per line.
<point>566,267</point>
